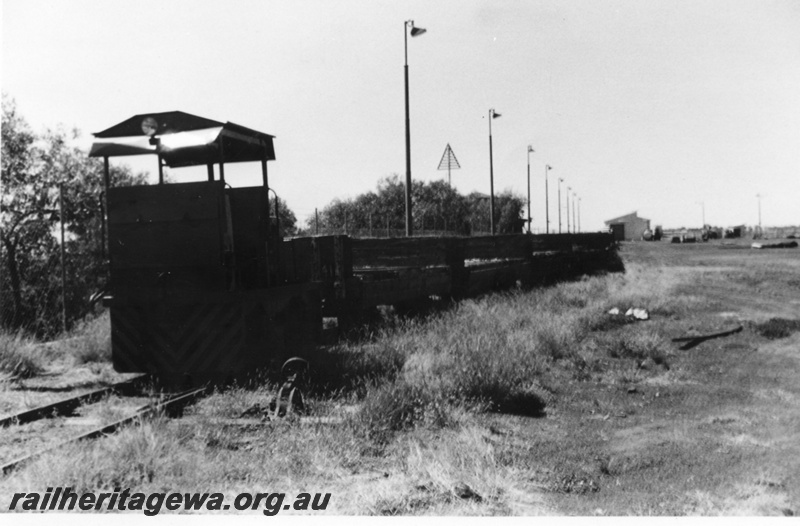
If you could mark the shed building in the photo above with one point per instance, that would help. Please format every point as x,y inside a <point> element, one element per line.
<point>628,227</point>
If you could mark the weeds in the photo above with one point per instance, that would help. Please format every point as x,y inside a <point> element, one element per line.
<point>420,386</point>
<point>19,356</point>
<point>640,346</point>
<point>400,406</point>
<point>776,328</point>
<point>90,341</point>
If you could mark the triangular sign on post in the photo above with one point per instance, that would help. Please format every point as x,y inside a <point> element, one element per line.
<point>449,161</point>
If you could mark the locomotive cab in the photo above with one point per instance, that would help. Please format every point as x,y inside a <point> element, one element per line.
<point>195,285</point>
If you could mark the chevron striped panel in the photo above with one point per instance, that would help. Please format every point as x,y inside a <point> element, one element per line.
<point>190,338</point>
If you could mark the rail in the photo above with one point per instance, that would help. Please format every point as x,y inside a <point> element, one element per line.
<point>171,403</point>
<point>68,405</point>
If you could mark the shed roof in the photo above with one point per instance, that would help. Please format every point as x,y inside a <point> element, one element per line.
<point>183,139</point>
<point>627,217</point>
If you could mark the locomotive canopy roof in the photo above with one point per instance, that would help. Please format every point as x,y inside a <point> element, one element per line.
<point>182,139</point>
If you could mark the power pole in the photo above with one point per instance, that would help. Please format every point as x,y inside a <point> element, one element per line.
<point>63,259</point>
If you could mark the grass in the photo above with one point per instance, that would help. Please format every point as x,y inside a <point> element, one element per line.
<point>419,388</point>
<point>22,357</point>
<point>776,328</point>
<point>19,357</point>
<point>435,413</point>
<point>89,342</point>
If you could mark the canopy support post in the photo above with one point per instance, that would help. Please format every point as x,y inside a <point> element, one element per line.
<point>106,173</point>
<point>221,160</point>
<point>103,208</point>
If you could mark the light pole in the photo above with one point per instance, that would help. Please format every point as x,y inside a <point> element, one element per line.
<point>547,168</point>
<point>492,115</point>
<point>574,221</point>
<point>560,180</point>
<point>579,214</point>
<point>569,189</point>
<point>758,196</point>
<point>415,31</point>
<point>63,259</point>
<point>530,149</point>
<point>703,212</point>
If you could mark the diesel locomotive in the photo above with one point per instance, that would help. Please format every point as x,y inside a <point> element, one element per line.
<point>196,290</point>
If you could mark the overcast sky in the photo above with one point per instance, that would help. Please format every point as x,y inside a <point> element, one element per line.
<point>661,107</point>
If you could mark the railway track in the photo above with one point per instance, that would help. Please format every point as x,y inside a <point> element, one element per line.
<point>68,406</point>
<point>171,404</point>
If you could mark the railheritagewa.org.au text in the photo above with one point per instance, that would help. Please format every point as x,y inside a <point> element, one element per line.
<point>66,499</point>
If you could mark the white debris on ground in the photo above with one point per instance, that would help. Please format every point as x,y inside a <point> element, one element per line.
<point>635,312</point>
<point>639,314</point>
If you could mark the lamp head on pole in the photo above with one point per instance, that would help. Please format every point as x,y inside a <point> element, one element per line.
<point>560,179</point>
<point>415,31</point>
<point>530,148</point>
<point>549,167</point>
<point>494,114</point>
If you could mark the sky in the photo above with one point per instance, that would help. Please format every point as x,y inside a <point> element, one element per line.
<point>681,110</point>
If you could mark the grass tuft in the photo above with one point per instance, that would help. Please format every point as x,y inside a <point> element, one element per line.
<point>776,328</point>
<point>640,345</point>
<point>399,406</point>
<point>19,357</point>
<point>91,342</point>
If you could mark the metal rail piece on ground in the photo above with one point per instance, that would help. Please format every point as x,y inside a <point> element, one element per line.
<point>693,341</point>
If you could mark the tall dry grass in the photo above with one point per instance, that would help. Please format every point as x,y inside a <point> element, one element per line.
<point>90,341</point>
<point>20,357</point>
<point>417,390</point>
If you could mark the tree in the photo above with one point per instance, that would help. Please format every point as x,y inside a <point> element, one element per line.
<point>22,213</point>
<point>437,207</point>
<point>286,219</point>
<point>508,210</point>
<point>34,167</point>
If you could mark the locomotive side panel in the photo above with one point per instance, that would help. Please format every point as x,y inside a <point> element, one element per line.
<point>190,276</point>
<point>166,236</point>
<point>216,337</point>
